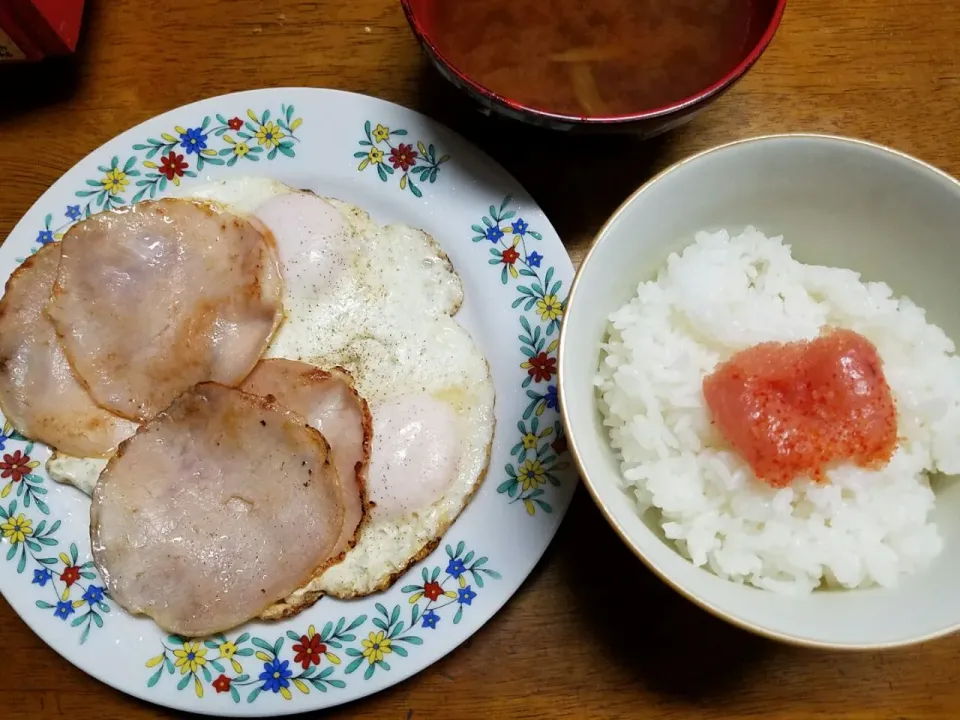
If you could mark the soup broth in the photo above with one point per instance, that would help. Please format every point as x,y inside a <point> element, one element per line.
<point>600,58</point>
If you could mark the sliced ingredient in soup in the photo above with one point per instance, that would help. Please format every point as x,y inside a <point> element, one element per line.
<point>792,409</point>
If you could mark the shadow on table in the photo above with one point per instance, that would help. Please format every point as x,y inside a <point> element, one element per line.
<point>674,647</point>
<point>578,180</point>
<point>25,87</point>
<point>28,86</point>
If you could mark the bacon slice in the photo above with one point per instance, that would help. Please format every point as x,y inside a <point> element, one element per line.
<point>151,299</point>
<point>222,505</point>
<point>39,393</point>
<point>329,403</point>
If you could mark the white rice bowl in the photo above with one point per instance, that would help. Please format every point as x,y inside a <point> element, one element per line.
<point>721,295</point>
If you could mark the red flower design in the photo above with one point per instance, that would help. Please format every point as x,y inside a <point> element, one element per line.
<point>309,651</point>
<point>70,575</point>
<point>510,256</point>
<point>234,124</point>
<point>432,590</point>
<point>403,157</point>
<point>15,466</point>
<point>560,444</point>
<point>172,165</point>
<point>222,684</point>
<point>542,367</point>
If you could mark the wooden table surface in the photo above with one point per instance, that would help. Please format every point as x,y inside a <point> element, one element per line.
<point>591,634</point>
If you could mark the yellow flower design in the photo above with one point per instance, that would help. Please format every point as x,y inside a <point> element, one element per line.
<point>376,647</point>
<point>270,135</point>
<point>381,133</point>
<point>549,307</point>
<point>374,157</point>
<point>240,149</point>
<point>227,651</point>
<point>115,181</point>
<point>17,529</point>
<point>531,440</point>
<point>190,658</point>
<point>531,475</point>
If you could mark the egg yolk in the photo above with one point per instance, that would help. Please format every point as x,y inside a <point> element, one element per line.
<point>414,454</point>
<point>792,409</point>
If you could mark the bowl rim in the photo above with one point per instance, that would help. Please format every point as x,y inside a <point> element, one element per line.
<point>704,604</point>
<point>738,71</point>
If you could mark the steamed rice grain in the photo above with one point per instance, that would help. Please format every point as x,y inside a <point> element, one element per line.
<point>721,295</point>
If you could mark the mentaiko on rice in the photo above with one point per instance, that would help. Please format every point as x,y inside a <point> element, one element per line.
<point>857,527</point>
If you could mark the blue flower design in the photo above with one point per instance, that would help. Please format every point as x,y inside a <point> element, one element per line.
<point>466,595</point>
<point>534,258</point>
<point>494,233</point>
<point>193,141</point>
<point>93,595</point>
<point>45,237</point>
<point>64,609</point>
<point>520,227</point>
<point>42,576</point>
<point>455,567</point>
<point>553,402</point>
<point>73,212</point>
<point>430,619</point>
<point>276,675</point>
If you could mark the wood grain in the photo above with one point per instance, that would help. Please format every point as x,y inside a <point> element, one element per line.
<point>591,634</point>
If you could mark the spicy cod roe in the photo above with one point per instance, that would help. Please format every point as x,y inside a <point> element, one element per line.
<point>792,409</point>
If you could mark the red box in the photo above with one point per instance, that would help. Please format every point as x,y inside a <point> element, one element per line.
<point>34,29</point>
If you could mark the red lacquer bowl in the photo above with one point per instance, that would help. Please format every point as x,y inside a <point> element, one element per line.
<point>764,21</point>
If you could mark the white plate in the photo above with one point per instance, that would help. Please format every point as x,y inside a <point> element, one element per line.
<point>339,145</point>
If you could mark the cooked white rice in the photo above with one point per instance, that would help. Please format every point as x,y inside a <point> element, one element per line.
<point>720,296</point>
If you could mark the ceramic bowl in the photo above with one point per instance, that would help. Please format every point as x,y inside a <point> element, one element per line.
<point>646,122</point>
<point>838,202</point>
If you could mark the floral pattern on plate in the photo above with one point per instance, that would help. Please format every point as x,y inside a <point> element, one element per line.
<point>168,158</point>
<point>59,576</point>
<point>392,156</point>
<point>313,661</point>
<point>540,311</point>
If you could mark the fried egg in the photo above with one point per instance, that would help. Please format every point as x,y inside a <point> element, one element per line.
<point>380,302</point>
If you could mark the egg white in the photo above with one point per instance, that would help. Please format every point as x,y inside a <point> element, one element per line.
<point>378,301</point>
<point>82,473</point>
